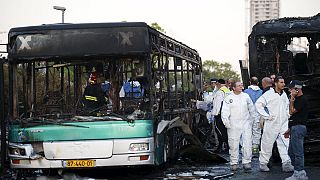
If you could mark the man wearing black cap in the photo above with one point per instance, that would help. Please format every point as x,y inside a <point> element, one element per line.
<point>216,112</point>
<point>297,129</point>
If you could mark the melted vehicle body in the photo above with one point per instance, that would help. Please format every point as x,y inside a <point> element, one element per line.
<point>93,95</point>
<point>275,48</point>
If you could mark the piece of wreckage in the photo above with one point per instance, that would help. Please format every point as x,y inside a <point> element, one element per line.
<point>192,150</point>
<point>290,47</point>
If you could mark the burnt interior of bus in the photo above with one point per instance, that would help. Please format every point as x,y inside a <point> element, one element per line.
<point>275,56</point>
<point>46,82</point>
<point>50,81</point>
<point>54,89</point>
<point>294,53</point>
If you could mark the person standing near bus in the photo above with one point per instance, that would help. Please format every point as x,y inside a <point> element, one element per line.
<point>255,92</point>
<point>238,114</point>
<point>217,104</point>
<point>210,117</point>
<point>229,82</point>
<point>273,77</point>
<point>297,129</point>
<point>273,106</point>
<point>132,88</point>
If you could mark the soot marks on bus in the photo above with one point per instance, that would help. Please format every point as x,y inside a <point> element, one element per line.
<point>104,84</point>
<point>290,47</point>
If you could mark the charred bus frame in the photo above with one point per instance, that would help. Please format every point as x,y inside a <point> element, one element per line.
<point>271,52</point>
<point>54,61</point>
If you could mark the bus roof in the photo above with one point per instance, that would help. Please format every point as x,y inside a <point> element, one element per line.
<point>66,26</point>
<point>293,26</point>
<point>83,40</point>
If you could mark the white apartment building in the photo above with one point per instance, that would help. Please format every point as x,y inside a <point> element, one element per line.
<point>261,10</point>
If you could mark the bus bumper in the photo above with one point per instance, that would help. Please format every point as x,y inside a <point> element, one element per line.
<point>84,154</point>
<point>115,160</point>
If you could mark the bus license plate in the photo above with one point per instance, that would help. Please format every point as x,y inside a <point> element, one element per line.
<point>79,163</point>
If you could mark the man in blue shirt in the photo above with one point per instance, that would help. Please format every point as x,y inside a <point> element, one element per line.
<point>132,89</point>
<point>255,92</point>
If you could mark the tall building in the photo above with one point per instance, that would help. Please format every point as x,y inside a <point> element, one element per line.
<point>3,41</point>
<point>259,10</point>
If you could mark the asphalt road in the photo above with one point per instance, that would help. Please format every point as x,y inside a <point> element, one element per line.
<point>181,169</point>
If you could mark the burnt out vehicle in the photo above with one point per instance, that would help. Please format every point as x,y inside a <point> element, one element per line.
<point>271,52</point>
<point>97,95</point>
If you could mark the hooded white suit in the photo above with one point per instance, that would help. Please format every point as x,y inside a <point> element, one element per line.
<point>238,113</point>
<point>274,109</point>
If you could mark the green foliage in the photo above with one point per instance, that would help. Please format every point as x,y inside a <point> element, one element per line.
<point>157,27</point>
<point>215,69</point>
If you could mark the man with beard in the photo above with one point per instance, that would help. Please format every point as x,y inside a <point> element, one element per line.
<point>273,106</point>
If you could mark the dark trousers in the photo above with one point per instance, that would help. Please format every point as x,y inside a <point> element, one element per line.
<point>221,131</point>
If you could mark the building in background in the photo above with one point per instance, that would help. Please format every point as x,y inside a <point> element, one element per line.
<point>259,10</point>
<point>3,41</point>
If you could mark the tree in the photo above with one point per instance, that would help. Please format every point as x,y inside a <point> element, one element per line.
<point>215,69</point>
<point>157,27</point>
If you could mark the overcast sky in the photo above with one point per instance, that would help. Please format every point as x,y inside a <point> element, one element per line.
<point>216,28</point>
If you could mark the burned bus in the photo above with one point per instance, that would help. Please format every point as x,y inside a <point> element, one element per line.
<point>289,47</point>
<point>149,83</point>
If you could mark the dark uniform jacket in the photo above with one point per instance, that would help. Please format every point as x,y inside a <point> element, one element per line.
<point>93,97</point>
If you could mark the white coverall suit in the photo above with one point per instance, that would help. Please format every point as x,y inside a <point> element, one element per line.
<point>238,113</point>
<point>274,109</point>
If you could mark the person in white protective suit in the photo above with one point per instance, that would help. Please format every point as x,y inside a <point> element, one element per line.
<point>238,113</point>
<point>273,106</point>
<point>216,112</point>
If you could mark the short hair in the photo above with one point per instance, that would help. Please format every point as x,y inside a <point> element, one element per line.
<point>278,78</point>
<point>272,74</point>
<point>254,80</point>
<point>267,80</point>
<point>221,81</point>
<point>234,84</point>
<point>230,80</point>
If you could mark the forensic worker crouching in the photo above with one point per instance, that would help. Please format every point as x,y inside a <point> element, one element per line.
<point>238,113</point>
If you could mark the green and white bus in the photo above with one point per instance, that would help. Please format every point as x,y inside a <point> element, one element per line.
<point>48,70</point>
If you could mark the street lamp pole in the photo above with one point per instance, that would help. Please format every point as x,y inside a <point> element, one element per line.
<point>62,9</point>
